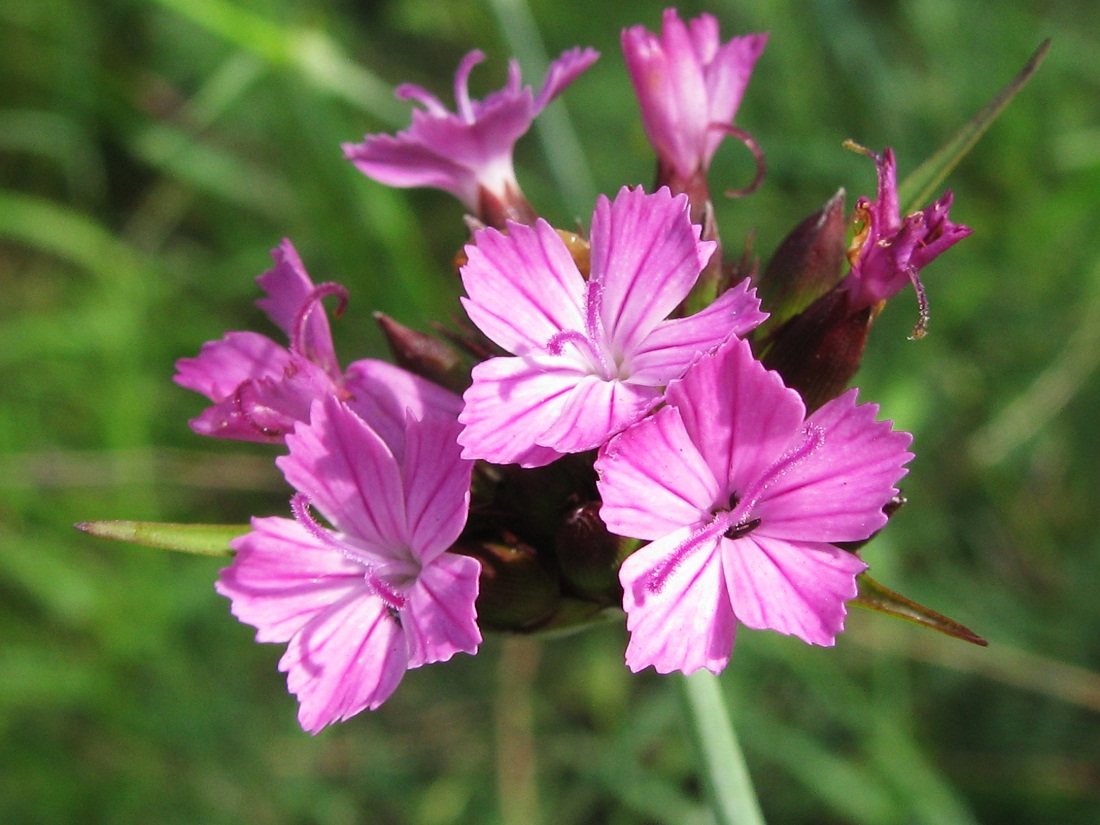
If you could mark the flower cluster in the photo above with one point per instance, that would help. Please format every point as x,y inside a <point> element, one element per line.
<point>629,431</point>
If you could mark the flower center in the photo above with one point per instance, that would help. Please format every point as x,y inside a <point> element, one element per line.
<point>589,343</point>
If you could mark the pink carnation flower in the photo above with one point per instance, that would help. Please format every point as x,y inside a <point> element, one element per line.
<point>590,356</point>
<point>261,389</point>
<point>741,501</point>
<point>890,250</point>
<point>470,150</point>
<point>377,594</point>
<point>689,86</point>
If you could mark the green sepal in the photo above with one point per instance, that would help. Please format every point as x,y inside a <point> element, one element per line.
<point>873,596</point>
<point>200,539</point>
<point>920,186</point>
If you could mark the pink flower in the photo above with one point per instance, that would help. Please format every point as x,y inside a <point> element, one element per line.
<point>468,152</point>
<point>590,356</point>
<point>741,501</point>
<point>689,86</point>
<point>377,594</point>
<point>261,390</point>
<point>890,250</point>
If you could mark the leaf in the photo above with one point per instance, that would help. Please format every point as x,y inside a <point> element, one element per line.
<point>919,187</point>
<point>873,596</point>
<point>200,539</point>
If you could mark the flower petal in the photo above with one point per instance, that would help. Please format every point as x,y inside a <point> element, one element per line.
<point>652,479</point>
<point>524,287</point>
<point>686,624</point>
<point>646,256</point>
<point>381,394</point>
<point>440,618</point>
<point>349,475</point>
<point>282,577</point>
<point>838,491</point>
<point>594,411</point>
<point>349,658</point>
<point>436,481</point>
<point>222,366</point>
<point>510,404</point>
<point>739,414</point>
<point>674,344</point>
<point>796,588</point>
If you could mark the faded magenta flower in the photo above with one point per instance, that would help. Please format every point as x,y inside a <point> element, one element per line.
<point>890,250</point>
<point>590,356</point>
<point>261,390</point>
<point>467,153</point>
<point>376,594</point>
<point>741,501</point>
<point>689,86</point>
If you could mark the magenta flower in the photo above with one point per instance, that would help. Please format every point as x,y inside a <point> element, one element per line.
<point>689,86</point>
<point>891,250</point>
<point>261,390</point>
<point>590,356</point>
<point>377,594</point>
<point>468,152</point>
<point>741,501</point>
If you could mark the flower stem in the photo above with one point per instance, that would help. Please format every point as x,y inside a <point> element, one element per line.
<point>721,762</point>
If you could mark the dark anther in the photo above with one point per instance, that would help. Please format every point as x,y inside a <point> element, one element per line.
<point>739,530</point>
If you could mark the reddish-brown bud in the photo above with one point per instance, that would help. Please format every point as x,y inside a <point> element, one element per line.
<point>805,266</point>
<point>589,556</point>
<point>424,355</point>
<point>515,591</point>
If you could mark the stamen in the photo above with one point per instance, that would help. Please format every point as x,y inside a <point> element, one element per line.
<point>462,89</point>
<point>813,438</point>
<point>757,153</point>
<point>302,317</point>
<point>299,507</point>
<point>921,329</point>
<point>659,575</point>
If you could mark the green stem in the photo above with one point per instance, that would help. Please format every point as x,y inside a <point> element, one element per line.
<point>725,774</point>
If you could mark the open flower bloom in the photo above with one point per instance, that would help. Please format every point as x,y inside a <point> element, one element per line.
<point>260,389</point>
<point>890,250</point>
<point>470,150</point>
<point>376,594</point>
<point>741,500</point>
<point>590,357</point>
<point>689,86</point>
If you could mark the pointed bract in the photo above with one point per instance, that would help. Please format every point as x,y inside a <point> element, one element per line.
<point>376,594</point>
<point>590,357</point>
<point>742,498</point>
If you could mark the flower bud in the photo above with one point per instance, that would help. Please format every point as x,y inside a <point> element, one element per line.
<point>589,556</point>
<point>423,355</point>
<point>805,266</point>
<point>818,351</point>
<point>515,591</point>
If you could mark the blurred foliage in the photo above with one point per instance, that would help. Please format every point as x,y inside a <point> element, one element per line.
<point>152,152</point>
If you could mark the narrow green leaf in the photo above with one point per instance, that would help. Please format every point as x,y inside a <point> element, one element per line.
<point>921,184</point>
<point>873,596</point>
<point>200,539</point>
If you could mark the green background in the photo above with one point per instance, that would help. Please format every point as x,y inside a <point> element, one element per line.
<point>152,154</point>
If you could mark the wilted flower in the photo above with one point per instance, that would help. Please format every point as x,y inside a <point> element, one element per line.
<point>377,594</point>
<point>741,499</point>
<point>890,250</point>
<point>590,357</point>
<point>261,390</point>
<point>469,152</point>
<point>689,86</point>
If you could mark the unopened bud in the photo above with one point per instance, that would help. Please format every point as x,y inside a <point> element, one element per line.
<point>589,556</point>
<point>423,355</point>
<point>515,591</point>
<point>818,351</point>
<point>805,266</point>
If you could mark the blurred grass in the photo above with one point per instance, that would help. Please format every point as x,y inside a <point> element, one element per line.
<point>152,152</point>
